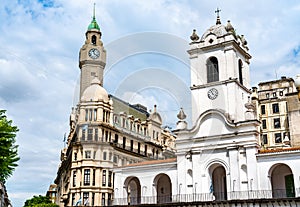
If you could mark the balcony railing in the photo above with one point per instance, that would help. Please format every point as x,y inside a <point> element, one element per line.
<point>204,197</point>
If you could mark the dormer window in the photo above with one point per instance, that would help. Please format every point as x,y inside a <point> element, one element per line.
<point>212,70</point>
<point>94,39</point>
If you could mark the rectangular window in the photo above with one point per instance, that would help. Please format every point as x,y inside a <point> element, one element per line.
<point>104,178</point>
<point>109,178</point>
<point>103,199</point>
<point>124,142</point>
<point>264,123</point>
<point>73,199</point>
<point>115,159</point>
<point>275,108</point>
<point>116,138</point>
<point>85,198</point>
<point>88,154</point>
<point>96,134</point>
<point>74,178</point>
<point>86,115</point>
<point>95,114</point>
<point>83,134</point>
<point>131,145</point>
<point>263,109</point>
<point>93,199</point>
<point>106,136</point>
<point>104,156</point>
<point>110,156</point>
<point>281,93</point>
<point>139,147</point>
<point>87,178</point>
<point>265,139</point>
<point>94,178</point>
<point>90,134</point>
<point>145,150</point>
<point>91,115</point>
<point>278,138</point>
<point>109,199</point>
<point>277,123</point>
<point>75,156</point>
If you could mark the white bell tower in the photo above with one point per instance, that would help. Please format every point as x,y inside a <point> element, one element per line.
<point>220,71</point>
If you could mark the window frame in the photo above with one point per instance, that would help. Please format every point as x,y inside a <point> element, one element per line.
<point>87,177</point>
<point>212,69</point>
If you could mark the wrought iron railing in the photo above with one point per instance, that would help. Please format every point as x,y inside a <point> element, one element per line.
<point>220,196</point>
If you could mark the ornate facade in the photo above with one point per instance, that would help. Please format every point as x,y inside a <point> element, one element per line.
<point>219,158</point>
<point>119,154</point>
<point>105,132</point>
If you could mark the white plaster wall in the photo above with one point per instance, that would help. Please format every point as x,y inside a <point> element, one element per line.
<point>146,176</point>
<point>265,162</point>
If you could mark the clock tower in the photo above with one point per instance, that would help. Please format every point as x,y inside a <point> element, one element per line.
<point>220,72</point>
<point>92,56</point>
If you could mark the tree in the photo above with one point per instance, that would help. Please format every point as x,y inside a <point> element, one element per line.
<point>39,201</point>
<point>8,148</point>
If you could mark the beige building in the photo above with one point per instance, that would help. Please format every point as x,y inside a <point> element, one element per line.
<point>278,106</point>
<point>105,132</point>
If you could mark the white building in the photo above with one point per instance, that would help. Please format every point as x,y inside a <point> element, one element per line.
<point>218,158</point>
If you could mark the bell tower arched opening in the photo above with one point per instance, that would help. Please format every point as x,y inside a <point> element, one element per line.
<point>212,69</point>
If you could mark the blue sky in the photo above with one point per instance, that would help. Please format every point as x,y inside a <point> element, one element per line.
<point>40,41</point>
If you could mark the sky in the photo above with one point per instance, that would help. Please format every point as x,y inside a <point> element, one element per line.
<point>146,43</point>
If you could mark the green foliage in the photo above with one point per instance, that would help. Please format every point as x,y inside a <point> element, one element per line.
<point>39,201</point>
<point>8,149</point>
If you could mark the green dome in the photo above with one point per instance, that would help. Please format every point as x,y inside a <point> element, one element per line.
<point>94,25</point>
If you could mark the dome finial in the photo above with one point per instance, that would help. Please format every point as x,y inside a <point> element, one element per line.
<point>94,24</point>
<point>218,16</point>
<point>94,13</point>
<point>194,37</point>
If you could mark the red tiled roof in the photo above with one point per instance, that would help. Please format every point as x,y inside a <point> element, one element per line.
<point>262,151</point>
<point>151,162</point>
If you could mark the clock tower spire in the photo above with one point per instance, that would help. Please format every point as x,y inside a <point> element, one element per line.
<point>92,56</point>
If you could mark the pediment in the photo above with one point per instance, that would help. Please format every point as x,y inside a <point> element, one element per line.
<point>213,123</point>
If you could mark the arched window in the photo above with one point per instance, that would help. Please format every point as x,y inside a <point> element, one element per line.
<point>241,71</point>
<point>212,70</point>
<point>94,39</point>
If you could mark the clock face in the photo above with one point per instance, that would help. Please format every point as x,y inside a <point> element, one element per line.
<point>94,53</point>
<point>212,93</point>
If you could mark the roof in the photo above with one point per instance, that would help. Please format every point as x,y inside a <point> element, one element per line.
<point>95,92</point>
<point>93,24</point>
<point>151,162</point>
<point>137,111</point>
<point>264,151</point>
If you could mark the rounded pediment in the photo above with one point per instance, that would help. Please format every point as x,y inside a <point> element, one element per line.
<point>217,30</point>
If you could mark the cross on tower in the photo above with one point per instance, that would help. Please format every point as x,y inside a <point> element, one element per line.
<point>218,12</point>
